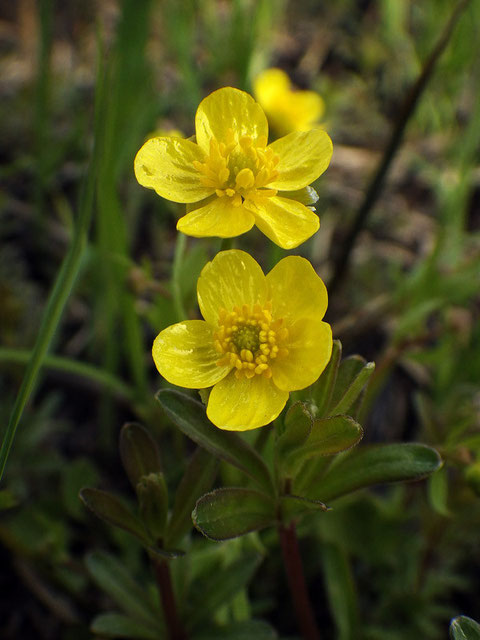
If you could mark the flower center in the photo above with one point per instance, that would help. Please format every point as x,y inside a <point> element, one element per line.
<point>237,169</point>
<point>249,339</point>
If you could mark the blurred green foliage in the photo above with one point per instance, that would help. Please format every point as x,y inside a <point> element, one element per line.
<point>389,563</point>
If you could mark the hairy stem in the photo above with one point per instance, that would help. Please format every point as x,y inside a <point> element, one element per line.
<point>164,581</point>
<point>296,582</point>
<point>375,187</point>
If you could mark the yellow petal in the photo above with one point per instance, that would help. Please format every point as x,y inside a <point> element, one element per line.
<point>216,218</point>
<point>185,355</point>
<point>231,279</point>
<point>296,291</point>
<point>287,109</point>
<point>166,165</point>
<point>269,85</point>
<point>309,349</point>
<point>233,109</point>
<point>243,404</point>
<point>304,156</point>
<point>305,108</point>
<point>286,222</point>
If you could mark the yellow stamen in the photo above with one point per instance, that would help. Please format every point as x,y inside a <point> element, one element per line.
<point>248,339</point>
<point>238,169</point>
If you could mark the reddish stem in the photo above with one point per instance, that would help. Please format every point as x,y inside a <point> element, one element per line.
<point>296,581</point>
<point>164,581</point>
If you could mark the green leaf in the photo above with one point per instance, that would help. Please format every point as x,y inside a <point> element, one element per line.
<point>341,593</point>
<point>189,415</point>
<point>109,508</point>
<point>328,436</point>
<point>464,628</point>
<point>246,630</point>
<point>139,452</point>
<point>348,369</point>
<point>472,476</point>
<point>296,506</point>
<point>219,588</point>
<point>196,480</point>
<point>116,625</point>
<point>298,425</point>
<point>232,512</point>
<point>164,554</point>
<point>7,500</point>
<point>114,579</point>
<point>352,377</point>
<point>376,465</point>
<point>76,475</point>
<point>323,389</point>
<point>153,503</point>
<point>310,474</point>
<point>438,492</point>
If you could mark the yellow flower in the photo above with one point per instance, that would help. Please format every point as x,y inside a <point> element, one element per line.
<point>286,109</point>
<point>231,179</point>
<point>261,337</point>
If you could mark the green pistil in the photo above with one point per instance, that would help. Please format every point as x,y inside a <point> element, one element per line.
<point>247,337</point>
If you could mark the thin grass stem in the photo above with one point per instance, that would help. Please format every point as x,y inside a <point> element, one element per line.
<point>373,192</point>
<point>66,365</point>
<point>62,288</point>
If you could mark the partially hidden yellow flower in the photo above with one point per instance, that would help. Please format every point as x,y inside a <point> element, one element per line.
<point>261,337</point>
<point>287,109</point>
<point>161,131</point>
<point>231,179</point>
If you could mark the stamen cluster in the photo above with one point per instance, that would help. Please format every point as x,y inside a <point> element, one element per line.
<point>238,169</point>
<point>249,339</point>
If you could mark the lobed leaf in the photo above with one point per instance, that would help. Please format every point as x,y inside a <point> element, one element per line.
<point>117,625</point>
<point>153,503</point>
<point>109,508</point>
<point>341,593</point>
<point>464,628</point>
<point>139,452</point>
<point>219,589</point>
<point>328,437</point>
<point>323,389</point>
<point>296,506</point>
<point>245,630</point>
<point>114,579</point>
<point>298,425</point>
<point>375,465</point>
<point>232,512</point>
<point>189,415</point>
<point>196,480</point>
<point>438,492</point>
<point>353,375</point>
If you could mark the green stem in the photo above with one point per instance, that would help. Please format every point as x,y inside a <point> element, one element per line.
<point>80,369</point>
<point>59,294</point>
<point>180,247</point>
<point>42,147</point>
<point>375,187</point>
<point>227,243</point>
